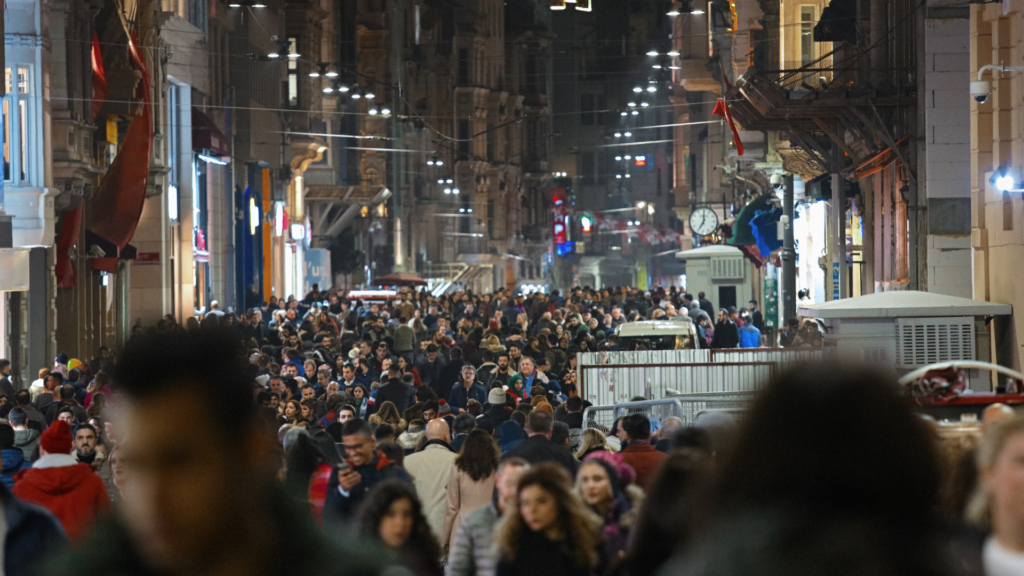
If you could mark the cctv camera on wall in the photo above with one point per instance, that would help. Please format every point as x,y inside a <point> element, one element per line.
<point>980,91</point>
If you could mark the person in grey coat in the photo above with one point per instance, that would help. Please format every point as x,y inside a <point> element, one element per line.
<point>471,553</point>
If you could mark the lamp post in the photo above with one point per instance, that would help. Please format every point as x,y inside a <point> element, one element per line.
<point>788,253</point>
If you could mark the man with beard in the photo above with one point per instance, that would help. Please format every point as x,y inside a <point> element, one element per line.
<point>504,371</point>
<point>85,451</point>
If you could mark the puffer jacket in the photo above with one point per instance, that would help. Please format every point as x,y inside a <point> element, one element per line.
<point>71,491</point>
<point>13,462</point>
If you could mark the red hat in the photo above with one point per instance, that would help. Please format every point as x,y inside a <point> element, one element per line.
<point>57,438</point>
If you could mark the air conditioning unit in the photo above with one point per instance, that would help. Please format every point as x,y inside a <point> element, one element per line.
<point>923,341</point>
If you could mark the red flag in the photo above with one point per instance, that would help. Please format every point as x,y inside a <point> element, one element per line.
<point>117,202</point>
<point>99,77</point>
<point>722,109</point>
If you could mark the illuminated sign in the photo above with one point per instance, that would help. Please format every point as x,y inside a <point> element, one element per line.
<point>640,161</point>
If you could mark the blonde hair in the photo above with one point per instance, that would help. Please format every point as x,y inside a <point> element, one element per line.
<point>577,524</point>
<point>590,439</point>
<point>979,509</point>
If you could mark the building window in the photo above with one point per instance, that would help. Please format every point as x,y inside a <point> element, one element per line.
<point>464,140</point>
<point>17,117</point>
<point>587,168</point>
<point>587,109</point>
<point>293,72</point>
<point>807,50</point>
<point>463,72</point>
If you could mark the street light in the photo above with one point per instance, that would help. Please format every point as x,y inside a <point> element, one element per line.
<point>652,88</point>
<point>628,134</point>
<point>652,52</point>
<point>618,134</point>
<point>650,209</point>
<point>641,204</point>
<point>637,89</point>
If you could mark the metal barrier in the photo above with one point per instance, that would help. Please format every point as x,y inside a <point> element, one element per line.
<point>655,410</point>
<point>599,417</point>
<point>692,406</point>
<point>614,384</point>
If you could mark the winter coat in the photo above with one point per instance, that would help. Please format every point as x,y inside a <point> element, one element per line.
<point>32,536</point>
<point>470,551</point>
<point>459,397</point>
<point>644,459</point>
<point>464,496</point>
<point>71,491</point>
<point>405,338</point>
<point>726,335</point>
<point>397,392</point>
<point>341,506</point>
<point>27,440</point>
<point>538,555</point>
<point>537,449</point>
<point>750,336</point>
<point>511,435</point>
<point>429,469</point>
<point>430,374</point>
<point>14,461</point>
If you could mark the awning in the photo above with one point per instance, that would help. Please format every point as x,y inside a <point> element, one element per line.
<point>206,135</point>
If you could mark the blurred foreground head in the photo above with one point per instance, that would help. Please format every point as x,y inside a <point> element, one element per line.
<point>831,474</point>
<point>194,454</point>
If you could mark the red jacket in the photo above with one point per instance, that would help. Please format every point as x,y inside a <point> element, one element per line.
<point>74,494</point>
<point>644,459</point>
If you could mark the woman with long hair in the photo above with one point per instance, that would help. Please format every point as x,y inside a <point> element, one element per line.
<point>997,504</point>
<point>388,414</point>
<point>393,516</point>
<point>293,413</point>
<point>470,482</point>
<point>550,531</point>
<point>99,405</point>
<point>362,398</point>
<point>408,368</point>
<point>591,440</point>
<point>602,483</point>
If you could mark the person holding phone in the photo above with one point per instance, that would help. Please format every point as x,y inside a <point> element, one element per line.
<point>364,468</point>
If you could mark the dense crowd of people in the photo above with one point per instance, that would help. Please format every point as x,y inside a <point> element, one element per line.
<point>446,437</point>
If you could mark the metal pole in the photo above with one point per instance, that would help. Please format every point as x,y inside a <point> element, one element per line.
<point>788,254</point>
<point>838,272</point>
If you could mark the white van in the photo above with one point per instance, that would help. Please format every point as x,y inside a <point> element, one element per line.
<point>679,333</point>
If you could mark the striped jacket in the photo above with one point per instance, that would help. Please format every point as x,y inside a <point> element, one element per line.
<point>471,553</point>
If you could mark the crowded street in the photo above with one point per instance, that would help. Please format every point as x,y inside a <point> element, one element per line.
<point>453,435</point>
<point>512,288</point>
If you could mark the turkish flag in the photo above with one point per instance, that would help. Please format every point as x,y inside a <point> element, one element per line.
<point>722,109</point>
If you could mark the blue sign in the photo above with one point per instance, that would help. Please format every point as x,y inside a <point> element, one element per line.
<point>318,268</point>
<point>835,280</point>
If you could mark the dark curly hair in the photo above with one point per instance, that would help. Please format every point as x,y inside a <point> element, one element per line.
<point>422,545</point>
<point>479,456</point>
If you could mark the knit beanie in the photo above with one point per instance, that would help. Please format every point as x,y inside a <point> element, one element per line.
<point>57,438</point>
<point>443,408</point>
<point>496,396</point>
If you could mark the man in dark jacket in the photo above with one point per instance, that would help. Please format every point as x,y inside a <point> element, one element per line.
<point>496,409</point>
<point>452,372</point>
<point>538,448</point>
<point>364,468</point>
<point>429,368</point>
<point>466,389</point>
<point>705,304</point>
<point>395,390</point>
<point>67,398</point>
<point>727,335</point>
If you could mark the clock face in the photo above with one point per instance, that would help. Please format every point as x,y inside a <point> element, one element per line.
<point>703,221</point>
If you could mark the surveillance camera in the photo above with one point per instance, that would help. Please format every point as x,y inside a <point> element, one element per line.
<point>776,180</point>
<point>980,91</point>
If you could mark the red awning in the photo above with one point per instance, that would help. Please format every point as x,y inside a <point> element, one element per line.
<point>206,135</point>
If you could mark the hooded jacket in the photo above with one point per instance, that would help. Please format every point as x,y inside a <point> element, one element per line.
<point>14,461</point>
<point>33,535</point>
<point>27,440</point>
<point>71,491</point>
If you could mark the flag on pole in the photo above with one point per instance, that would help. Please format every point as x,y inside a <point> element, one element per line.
<point>99,77</point>
<point>722,109</point>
